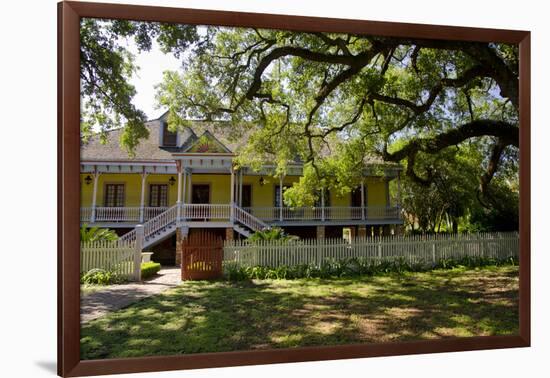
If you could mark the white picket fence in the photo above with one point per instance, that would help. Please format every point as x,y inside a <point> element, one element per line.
<point>428,249</point>
<point>118,256</point>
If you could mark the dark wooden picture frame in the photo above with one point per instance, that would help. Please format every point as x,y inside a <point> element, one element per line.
<point>69,14</point>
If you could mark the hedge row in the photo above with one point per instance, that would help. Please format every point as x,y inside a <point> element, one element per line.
<point>355,267</point>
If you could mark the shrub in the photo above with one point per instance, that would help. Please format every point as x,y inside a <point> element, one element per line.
<point>274,233</point>
<point>355,267</point>
<point>101,277</point>
<point>149,269</point>
<point>94,234</point>
<point>234,272</point>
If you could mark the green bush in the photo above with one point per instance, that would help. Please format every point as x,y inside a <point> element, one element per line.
<point>354,267</point>
<point>149,269</point>
<point>274,233</point>
<point>95,234</point>
<point>100,277</point>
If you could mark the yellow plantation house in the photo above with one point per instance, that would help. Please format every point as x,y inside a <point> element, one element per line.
<point>180,182</point>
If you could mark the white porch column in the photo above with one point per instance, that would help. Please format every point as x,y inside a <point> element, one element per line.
<point>322,204</point>
<point>178,203</point>
<point>142,201</point>
<point>236,192</point>
<point>240,187</point>
<point>362,199</point>
<point>190,187</point>
<point>281,178</point>
<point>183,193</point>
<point>232,200</point>
<point>94,195</point>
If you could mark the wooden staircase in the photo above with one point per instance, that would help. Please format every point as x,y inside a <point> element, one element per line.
<point>246,223</point>
<point>156,229</point>
<point>165,224</point>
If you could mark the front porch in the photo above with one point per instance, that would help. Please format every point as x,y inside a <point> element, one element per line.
<point>196,214</point>
<point>194,190</point>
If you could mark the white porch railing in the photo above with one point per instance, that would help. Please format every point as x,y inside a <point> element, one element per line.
<point>132,214</point>
<point>153,225</point>
<point>204,212</point>
<point>119,214</point>
<point>160,221</point>
<point>325,213</point>
<point>151,212</point>
<point>86,214</point>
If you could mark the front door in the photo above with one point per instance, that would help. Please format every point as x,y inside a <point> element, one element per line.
<point>247,196</point>
<point>356,198</point>
<point>200,194</point>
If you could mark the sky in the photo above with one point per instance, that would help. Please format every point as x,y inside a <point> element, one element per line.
<point>152,64</point>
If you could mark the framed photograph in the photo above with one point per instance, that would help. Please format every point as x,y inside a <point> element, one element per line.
<point>240,188</point>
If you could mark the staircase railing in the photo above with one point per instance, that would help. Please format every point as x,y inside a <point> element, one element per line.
<point>249,220</point>
<point>153,225</point>
<point>129,237</point>
<point>160,221</point>
<point>170,216</point>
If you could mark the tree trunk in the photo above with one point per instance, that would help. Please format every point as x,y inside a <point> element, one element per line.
<point>455,225</point>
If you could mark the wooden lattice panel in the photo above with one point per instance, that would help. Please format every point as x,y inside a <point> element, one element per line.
<point>201,256</point>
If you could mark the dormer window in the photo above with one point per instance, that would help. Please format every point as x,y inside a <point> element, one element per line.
<point>169,138</point>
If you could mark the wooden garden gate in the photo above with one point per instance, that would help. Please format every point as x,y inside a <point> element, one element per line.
<point>201,256</point>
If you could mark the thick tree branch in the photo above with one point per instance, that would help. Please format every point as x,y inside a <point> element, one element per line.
<point>337,42</point>
<point>497,69</point>
<point>506,132</point>
<point>359,59</point>
<point>482,53</point>
<point>470,107</point>
<point>465,78</point>
<point>494,162</point>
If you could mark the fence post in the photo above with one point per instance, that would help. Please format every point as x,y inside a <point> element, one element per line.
<point>137,252</point>
<point>320,251</point>
<point>433,252</point>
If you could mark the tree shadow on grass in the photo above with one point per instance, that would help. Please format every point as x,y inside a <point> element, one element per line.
<point>220,316</point>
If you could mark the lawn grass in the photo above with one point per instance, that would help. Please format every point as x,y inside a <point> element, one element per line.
<point>225,316</point>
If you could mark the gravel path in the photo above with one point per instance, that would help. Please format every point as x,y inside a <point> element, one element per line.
<point>99,303</point>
